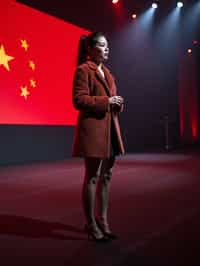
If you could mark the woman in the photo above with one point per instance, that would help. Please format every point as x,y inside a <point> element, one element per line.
<point>97,136</point>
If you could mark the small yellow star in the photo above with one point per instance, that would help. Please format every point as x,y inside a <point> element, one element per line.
<point>4,58</point>
<point>32,65</point>
<point>24,92</point>
<point>33,83</point>
<point>24,45</point>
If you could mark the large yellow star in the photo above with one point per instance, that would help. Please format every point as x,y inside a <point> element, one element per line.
<point>24,45</point>
<point>24,92</point>
<point>33,83</point>
<point>32,65</point>
<point>4,58</point>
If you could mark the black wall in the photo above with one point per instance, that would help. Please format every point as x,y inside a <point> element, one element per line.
<point>19,144</point>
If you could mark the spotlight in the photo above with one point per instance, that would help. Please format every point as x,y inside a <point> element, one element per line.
<point>190,51</point>
<point>195,42</point>
<point>179,4</point>
<point>115,1</point>
<point>134,16</point>
<point>155,5</point>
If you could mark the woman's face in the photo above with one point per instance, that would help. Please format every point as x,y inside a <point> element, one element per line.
<point>99,53</point>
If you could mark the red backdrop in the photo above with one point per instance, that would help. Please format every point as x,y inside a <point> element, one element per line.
<point>188,99</point>
<point>37,61</point>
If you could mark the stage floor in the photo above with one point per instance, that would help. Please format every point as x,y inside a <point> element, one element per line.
<point>154,208</point>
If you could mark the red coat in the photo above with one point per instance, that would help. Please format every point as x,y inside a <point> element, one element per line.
<point>90,96</point>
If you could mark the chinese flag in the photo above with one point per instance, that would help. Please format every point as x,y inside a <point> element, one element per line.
<point>38,56</point>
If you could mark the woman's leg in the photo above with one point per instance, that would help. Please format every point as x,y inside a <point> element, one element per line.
<point>92,170</point>
<point>103,191</point>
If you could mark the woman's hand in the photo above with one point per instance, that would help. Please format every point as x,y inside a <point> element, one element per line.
<point>116,101</point>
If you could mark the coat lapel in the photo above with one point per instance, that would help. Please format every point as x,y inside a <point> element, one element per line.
<point>109,79</point>
<point>105,82</point>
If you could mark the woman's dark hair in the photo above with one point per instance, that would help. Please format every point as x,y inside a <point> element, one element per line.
<point>82,50</point>
<point>85,42</point>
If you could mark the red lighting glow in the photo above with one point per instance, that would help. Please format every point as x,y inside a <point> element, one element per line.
<point>194,129</point>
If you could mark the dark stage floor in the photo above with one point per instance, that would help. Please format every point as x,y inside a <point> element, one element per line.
<point>154,208</point>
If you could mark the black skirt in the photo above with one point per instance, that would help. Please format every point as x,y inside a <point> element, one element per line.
<point>114,146</point>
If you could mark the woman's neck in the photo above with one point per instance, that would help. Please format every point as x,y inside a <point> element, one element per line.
<point>98,63</point>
